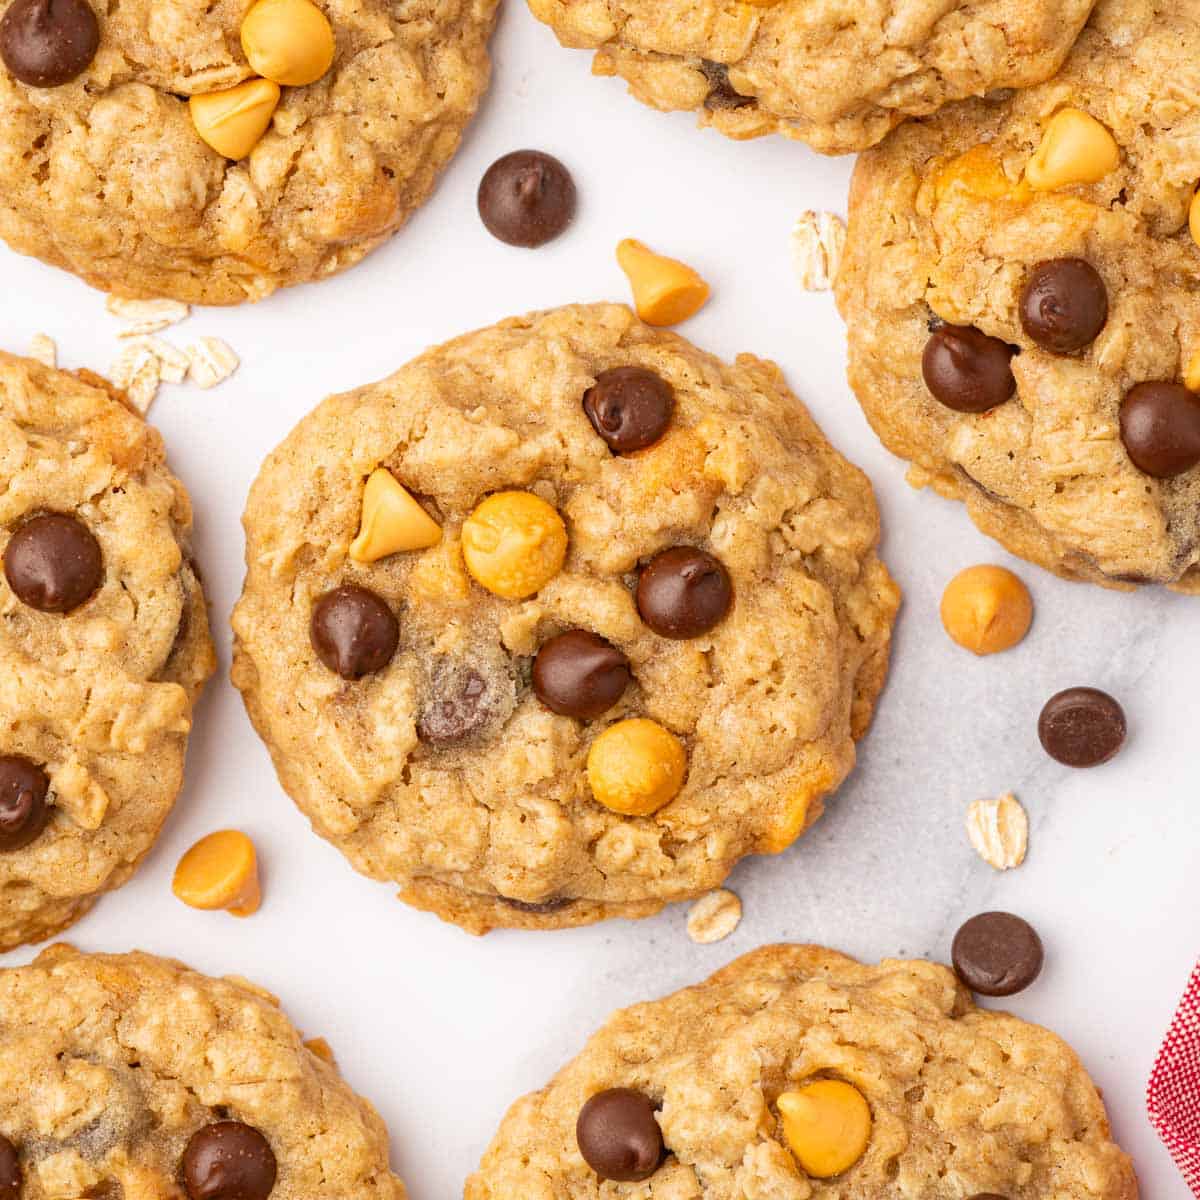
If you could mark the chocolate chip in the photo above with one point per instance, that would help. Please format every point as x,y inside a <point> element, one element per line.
<point>46,43</point>
<point>526,198</point>
<point>1160,426</point>
<point>10,1171</point>
<point>721,93</point>
<point>542,906</point>
<point>988,1196</point>
<point>629,407</point>
<point>228,1161</point>
<point>997,954</point>
<point>580,675</point>
<point>1082,727</point>
<point>460,704</point>
<point>53,563</point>
<point>1064,305</point>
<point>618,1135</point>
<point>353,631</point>
<point>967,370</point>
<point>683,592</point>
<point>23,811</point>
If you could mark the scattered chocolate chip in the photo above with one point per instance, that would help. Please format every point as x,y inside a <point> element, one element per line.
<point>967,370</point>
<point>45,43</point>
<point>1082,727</point>
<point>53,563</point>
<point>228,1161</point>
<point>353,631</point>
<point>526,198</point>
<point>683,592</point>
<point>23,811</point>
<point>629,407</point>
<point>1160,426</point>
<point>721,92</point>
<point>618,1135</point>
<point>460,704</point>
<point>1064,305</point>
<point>542,906</point>
<point>10,1171</point>
<point>997,954</point>
<point>580,675</point>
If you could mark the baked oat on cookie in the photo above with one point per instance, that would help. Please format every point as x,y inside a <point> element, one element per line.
<point>837,74</point>
<point>797,1072</point>
<point>133,1076</point>
<point>1020,287</point>
<point>215,151</point>
<point>104,644</point>
<point>561,620</point>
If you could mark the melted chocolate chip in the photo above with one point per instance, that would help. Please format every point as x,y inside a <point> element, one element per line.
<point>10,1171</point>
<point>967,370</point>
<point>46,43</point>
<point>53,563</point>
<point>353,631</point>
<point>1160,426</point>
<point>228,1161</point>
<point>578,674</point>
<point>618,1135</point>
<point>1064,305</point>
<point>721,93</point>
<point>629,407</point>
<point>542,906</point>
<point>997,954</point>
<point>526,198</point>
<point>1082,727</point>
<point>460,704</point>
<point>684,592</point>
<point>23,810</point>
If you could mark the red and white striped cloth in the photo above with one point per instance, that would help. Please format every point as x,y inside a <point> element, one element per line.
<point>1173,1096</point>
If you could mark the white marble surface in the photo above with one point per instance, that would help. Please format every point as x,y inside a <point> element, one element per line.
<point>441,1030</point>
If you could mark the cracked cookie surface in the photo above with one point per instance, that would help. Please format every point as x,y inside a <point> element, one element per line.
<point>107,177</point>
<point>95,702</point>
<point>837,74</point>
<point>114,1064</point>
<point>945,227</point>
<point>499,827</point>
<point>963,1100</point>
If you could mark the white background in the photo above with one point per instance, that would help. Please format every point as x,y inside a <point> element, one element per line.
<point>441,1030</point>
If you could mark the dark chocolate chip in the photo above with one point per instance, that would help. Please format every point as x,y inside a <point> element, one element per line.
<point>10,1171</point>
<point>683,592</point>
<point>618,1135</point>
<point>53,563</point>
<point>1064,305</point>
<point>541,906</point>
<point>1082,727</point>
<point>1160,426</point>
<point>228,1161</point>
<point>353,631</point>
<point>997,954</point>
<point>526,198</point>
<point>460,704</point>
<point>967,370</point>
<point>23,809</point>
<point>721,94</point>
<point>580,675</point>
<point>629,407</point>
<point>46,43</point>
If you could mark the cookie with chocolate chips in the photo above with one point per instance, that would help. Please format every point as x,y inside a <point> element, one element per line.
<point>104,644</point>
<point>131,1075</point>
<point>837,74</point>
<point>1018,286</point>
<point>561,620</point>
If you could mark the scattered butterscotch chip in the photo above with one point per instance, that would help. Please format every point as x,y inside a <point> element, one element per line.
<point>714,916</point>
<point>818,239</point>
<point>986,609</point>
<point>212,361</point>
<point>392,520</point>
<point>43,348</point>
<point>146,316</point>
<point>220,872</point>
<point>665,291</point>
<point>999,831</point>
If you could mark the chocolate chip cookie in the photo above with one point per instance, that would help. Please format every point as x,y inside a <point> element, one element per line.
<point>1019,287</point>
<point>561,620</point>
<point>837,74</point>
<point>130,1075</point>
<point>798,1072</point>
<point>104,644</point>
<point>214,152</point>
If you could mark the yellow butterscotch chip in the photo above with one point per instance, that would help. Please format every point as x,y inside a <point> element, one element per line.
<point>827,1125</point>
<point>321,1048</point>
<point>232,122</point>
<point>1191,374</point>
<point>392,521</point>
<point>986,609</point>
<point>1194,220</point>
<point>635,767</point>
<point>513,544</point>
<point>288,41</point>
<point>1075,148</point>
<point>220,871</point>
<point>665,291</point>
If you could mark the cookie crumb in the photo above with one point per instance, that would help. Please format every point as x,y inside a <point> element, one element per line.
<point>714,916</point>
<point>212,362</point>
<point>818,239</point>
<point>43,348</point>
<point>999,831</point>
<point>146,316</point>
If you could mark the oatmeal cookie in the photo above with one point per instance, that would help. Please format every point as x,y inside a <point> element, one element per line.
<point>561,620</point>
<point>107,175</point>
<point>130,1075</point>
<point>726,1090</point>
<point>1022,294</point>
<point>837,74</point>
<point>104,644</point>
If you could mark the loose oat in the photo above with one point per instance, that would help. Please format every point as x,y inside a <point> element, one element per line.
<point>999,831</point>
<point>714,916</point>
<point>43,348</point>
<point>818,240</point>
<point>212,362</point>
<point>146,316</point>
<point>137,371</point>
